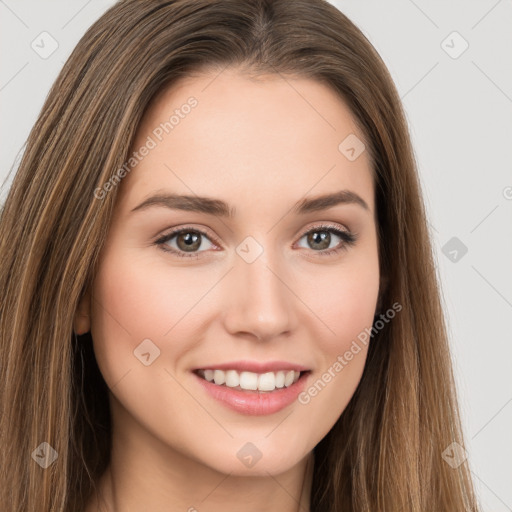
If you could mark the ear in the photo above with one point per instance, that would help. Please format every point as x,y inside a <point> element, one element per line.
<point>82,320</point>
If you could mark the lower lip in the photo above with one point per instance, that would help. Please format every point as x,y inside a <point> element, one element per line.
<point>255,403</point>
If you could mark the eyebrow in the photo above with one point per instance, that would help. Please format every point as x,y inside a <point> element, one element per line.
<point>220,208</point>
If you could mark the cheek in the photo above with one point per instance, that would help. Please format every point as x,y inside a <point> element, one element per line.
<point>136,300</point>
<point>350,310</point>
<point>347,302</point>
<point>347,308</point>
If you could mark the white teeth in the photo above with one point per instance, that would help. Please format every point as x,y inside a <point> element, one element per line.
<point>288,379</point>
<point>232,379</point>
<point>251,381</point>
<point>267,382</point>
<point>219,377</point>
<point>279,379</point>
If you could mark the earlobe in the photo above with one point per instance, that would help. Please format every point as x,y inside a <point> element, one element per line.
<point>82,320</point>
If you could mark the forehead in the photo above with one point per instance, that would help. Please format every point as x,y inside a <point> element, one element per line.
<point>246,138</point>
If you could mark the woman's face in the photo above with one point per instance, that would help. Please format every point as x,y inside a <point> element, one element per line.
<point>254,294</point>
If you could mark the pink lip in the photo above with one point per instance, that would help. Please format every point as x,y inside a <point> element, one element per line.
<point>255,366</point>
<point>254,403</point>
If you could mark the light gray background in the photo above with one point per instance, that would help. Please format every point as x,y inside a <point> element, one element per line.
<point>460,115</point>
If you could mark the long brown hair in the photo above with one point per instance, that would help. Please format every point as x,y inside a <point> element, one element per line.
<point>385,451</point>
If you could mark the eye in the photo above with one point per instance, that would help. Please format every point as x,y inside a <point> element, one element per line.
<point>188,242</point>
<point>320,238</point>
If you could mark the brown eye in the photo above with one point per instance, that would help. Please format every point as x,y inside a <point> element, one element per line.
<point>188,241</point>
<point>185,242</point>
<point>319,239</point>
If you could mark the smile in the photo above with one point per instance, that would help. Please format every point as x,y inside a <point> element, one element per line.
<point>251,381</point>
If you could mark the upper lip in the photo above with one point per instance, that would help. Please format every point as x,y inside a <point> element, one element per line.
<point>255,366</point>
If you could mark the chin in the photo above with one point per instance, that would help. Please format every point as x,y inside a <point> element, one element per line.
<point>253,459</point>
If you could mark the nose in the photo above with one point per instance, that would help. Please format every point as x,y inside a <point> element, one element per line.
<point>260,301</point>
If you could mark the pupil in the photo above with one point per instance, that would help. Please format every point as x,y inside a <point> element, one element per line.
<point>320,237</point>
<point>190,240</point>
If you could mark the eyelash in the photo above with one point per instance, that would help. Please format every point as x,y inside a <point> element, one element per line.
<point>348,239</point>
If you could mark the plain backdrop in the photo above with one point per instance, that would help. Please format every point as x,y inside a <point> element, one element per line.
<point>452,65</point>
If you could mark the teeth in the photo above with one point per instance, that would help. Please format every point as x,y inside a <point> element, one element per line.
<point>219,377</point>
<point>248,380</point>
<point>232,379</point>
<point>266,381</point>
<point>251,381</point>
<point>280,380</point>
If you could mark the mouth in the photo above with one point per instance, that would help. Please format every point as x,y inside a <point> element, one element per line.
<point>266,382</point>
<point>252,387</point>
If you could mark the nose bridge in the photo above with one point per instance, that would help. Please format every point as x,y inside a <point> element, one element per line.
<point>261,303</point>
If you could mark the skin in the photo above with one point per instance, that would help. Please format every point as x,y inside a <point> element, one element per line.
<point>260,145</point>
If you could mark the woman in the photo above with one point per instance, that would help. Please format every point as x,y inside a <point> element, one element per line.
<point>218,279</point>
